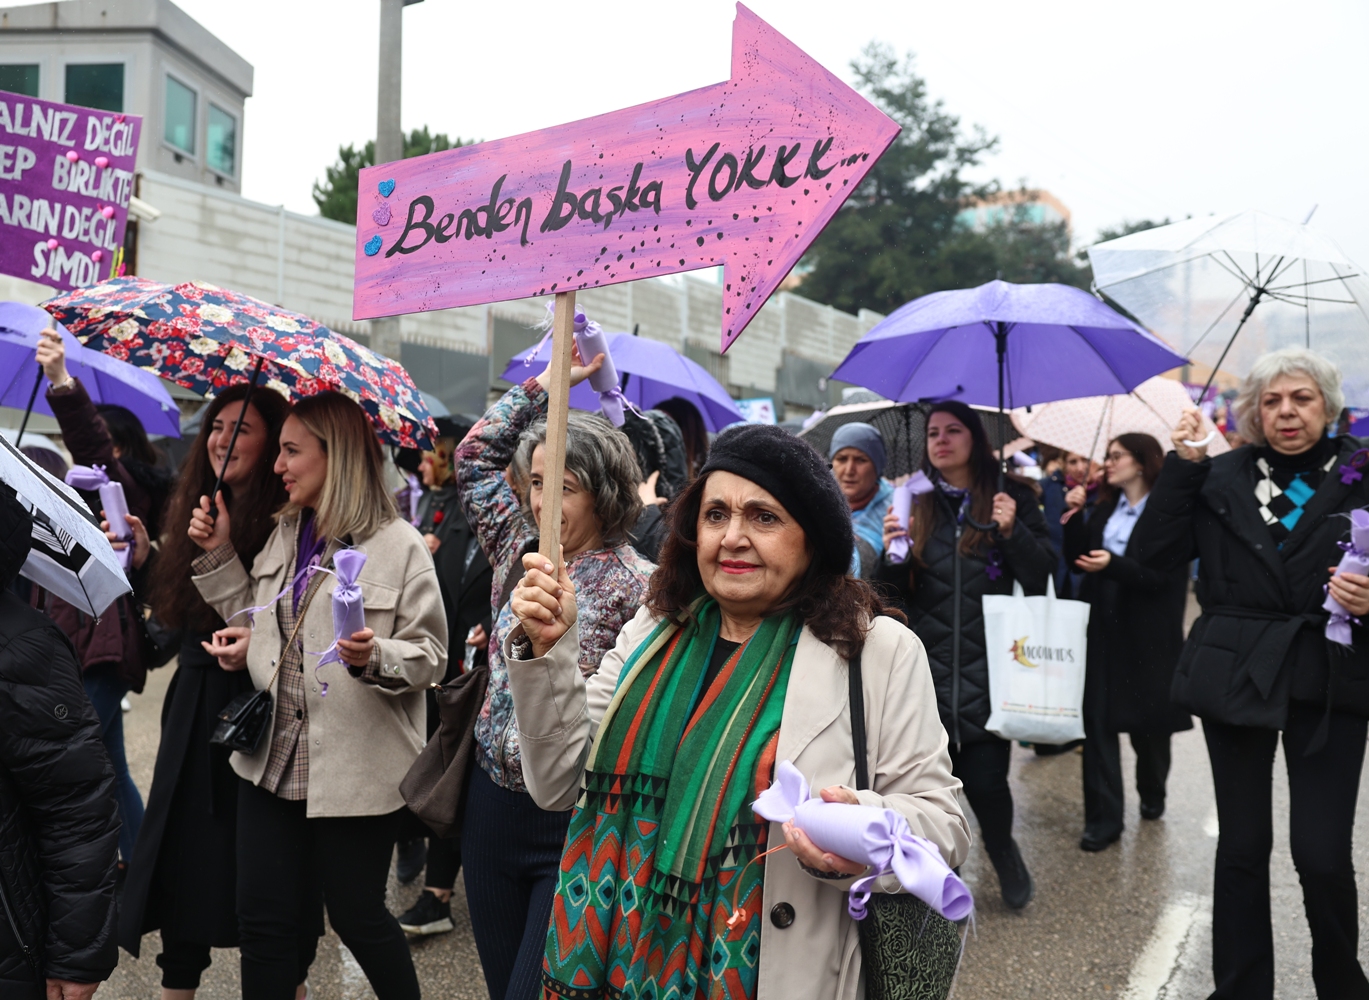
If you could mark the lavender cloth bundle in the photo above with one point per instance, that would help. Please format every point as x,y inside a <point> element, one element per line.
<point>592,342</point>
<point>83,477</point>
<point>349,612</point>
<point>1355,560</point>
<point>866,835</point>
<point>915,485</point>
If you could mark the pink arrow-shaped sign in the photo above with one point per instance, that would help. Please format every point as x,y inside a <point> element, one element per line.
<point>744,173</point>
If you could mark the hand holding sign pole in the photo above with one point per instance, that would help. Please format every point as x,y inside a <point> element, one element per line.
<point>742,174</point>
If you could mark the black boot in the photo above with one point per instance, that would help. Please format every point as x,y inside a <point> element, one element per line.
<point>1013,877</point>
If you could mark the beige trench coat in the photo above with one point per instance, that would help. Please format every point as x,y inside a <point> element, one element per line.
<point>818,955</point>
<point>362,737</point>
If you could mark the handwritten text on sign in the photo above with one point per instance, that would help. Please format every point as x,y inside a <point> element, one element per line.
<point>66,174</point>
<point>744,174</point>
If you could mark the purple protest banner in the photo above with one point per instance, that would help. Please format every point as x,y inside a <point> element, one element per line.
<point>66,174</point>
<point>744,173</point>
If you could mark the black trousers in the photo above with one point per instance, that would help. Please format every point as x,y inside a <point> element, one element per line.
<point>512,854</point>
<point>288,866</point>
<point>444,861</point>
<point>1322,795</point>
<point>983,769</point>
<point>1103,781</point>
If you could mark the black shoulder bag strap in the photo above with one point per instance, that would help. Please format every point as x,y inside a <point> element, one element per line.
<point>857,706</point>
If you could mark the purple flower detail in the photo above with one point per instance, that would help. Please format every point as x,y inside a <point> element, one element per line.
<point>1350,471</point>
<point>994,569</point>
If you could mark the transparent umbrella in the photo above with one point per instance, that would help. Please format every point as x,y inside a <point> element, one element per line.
<point>1225,290</point>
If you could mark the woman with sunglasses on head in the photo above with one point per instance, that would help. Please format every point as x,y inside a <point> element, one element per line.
<point>319,805</point>
<point>1136,630</point>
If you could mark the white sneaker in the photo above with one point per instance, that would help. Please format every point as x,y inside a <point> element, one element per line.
<point>125,704</point>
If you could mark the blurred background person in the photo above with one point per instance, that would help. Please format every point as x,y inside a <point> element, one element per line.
<point>856,452</point>
<point>318,804</point>
<point>1136,630</point>
<point>510,847</point>
<point>59,840</point>
<point>182,879</point>
<point>1262,521</point>
<point>108,646</point>
<point>692,428</point>
<point>659,447</point>
<point>953,565</point>
<point>465,576</point>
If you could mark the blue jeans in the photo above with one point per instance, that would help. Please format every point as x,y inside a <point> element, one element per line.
<point>105,690</point>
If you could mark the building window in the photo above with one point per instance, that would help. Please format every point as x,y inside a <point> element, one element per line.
<point>20,79</point>
<point>96,85</point>
<point>179,129</point>
<point>221,140</point>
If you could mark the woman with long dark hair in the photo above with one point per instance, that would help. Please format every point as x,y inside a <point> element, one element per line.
<point>954,563</point>
<point>1136,631</point>
<point>182,875</point>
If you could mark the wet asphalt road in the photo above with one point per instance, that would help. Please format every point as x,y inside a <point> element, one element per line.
<point>1132,921</point>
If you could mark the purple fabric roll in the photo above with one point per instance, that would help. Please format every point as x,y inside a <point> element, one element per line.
<point>870,836</point>
<point>1355,560</point>
<point>112,501</point>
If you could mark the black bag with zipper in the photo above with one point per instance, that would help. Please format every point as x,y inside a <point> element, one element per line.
<point>910,952</point>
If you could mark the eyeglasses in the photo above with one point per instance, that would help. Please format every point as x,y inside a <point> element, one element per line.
<point>1115,456</point>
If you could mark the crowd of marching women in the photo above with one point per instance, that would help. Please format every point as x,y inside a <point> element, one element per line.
<point>729,622</point>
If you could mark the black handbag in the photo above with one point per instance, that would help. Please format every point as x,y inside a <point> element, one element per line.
<point>434,789</point>
<point>910,951</point>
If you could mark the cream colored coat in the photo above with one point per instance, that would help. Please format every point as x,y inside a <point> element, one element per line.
<point>818,955</point>
<point>362,737</point>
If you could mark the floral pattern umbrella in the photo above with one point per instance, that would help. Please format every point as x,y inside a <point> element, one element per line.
<point>207,338</point>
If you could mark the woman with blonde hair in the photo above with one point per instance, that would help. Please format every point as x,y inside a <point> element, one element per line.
<point>319,803</point>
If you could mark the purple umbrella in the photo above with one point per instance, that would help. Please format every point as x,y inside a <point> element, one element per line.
<point>651,372</point>
<point>106,379</point>
<point>1006,345</point>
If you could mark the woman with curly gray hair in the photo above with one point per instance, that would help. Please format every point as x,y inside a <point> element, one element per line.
<point>510,848</point>
<point>1264,521</point>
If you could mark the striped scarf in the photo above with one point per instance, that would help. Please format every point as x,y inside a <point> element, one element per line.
<point>658,845</point>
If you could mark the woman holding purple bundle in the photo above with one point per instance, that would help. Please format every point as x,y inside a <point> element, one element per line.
<point>319,804</point>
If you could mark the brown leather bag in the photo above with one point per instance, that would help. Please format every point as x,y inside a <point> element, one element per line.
<point>434,789</point>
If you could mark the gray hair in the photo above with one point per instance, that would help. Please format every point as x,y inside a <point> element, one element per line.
<point>1289,361</point>
<point>603,461</point>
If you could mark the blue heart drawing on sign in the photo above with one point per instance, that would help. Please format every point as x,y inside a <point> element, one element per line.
<point>386,188</point>
<point>372,246</point>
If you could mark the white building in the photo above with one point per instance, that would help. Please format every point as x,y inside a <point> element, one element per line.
<point>198,227</point>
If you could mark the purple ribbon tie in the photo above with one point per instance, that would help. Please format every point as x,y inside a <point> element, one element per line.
<point>879,838</point>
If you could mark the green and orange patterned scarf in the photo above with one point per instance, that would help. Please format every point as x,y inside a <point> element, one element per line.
<point>659,842</point>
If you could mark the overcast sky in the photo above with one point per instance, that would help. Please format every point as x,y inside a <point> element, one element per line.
<point>1122,110</point>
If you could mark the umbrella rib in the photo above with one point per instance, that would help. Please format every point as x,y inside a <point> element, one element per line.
<point>1309,284</point>
<point>1220,316</point>
<point>1235,269</point>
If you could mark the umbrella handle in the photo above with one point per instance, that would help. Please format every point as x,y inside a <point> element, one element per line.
<point>237,428</point>
<point>33,396</point>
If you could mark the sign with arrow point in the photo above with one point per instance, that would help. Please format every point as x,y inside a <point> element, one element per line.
<point>744,174</point>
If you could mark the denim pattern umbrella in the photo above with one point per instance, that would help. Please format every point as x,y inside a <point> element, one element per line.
<point>651,373</point>
<point>206,338</point>
<point>106,379</point>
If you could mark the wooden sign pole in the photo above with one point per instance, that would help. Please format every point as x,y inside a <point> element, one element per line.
<point>558,408</point>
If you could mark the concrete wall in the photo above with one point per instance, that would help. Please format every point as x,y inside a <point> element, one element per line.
<point>305,263</point>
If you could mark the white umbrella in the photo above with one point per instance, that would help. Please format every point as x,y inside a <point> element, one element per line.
<point>71,555</point>
<point>1085,426</point>
<point>1201,282</point>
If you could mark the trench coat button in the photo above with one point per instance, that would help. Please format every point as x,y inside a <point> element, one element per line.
<point>316,742</point>
<point>273,663</point>
<point>781,915</point>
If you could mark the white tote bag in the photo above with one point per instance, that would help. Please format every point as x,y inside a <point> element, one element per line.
<point>1037,647</point>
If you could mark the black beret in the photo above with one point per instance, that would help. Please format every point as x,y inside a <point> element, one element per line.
<point>793,473</point>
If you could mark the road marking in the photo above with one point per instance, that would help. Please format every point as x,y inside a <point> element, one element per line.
<point>1172,948</point>
<point>1210,825</point>
<point>354,983</point>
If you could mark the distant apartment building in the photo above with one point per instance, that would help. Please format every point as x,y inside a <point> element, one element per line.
<point>1030,205</point>
<point>148,57</point>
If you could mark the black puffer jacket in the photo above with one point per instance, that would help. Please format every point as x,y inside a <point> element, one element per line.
<point>943,598</point>
<point>59,824</point>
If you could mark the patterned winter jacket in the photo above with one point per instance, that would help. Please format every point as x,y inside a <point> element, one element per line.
<point>610,583</point>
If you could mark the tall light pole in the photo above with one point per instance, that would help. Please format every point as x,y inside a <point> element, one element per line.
<point>389,133</point>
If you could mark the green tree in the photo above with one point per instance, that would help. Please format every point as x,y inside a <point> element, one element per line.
<point>336,196</point>
<point>899,235</point>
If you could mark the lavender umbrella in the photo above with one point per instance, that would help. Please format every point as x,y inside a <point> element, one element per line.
<point>1005,344</point>
<point>651,372</point>
<point>106,379</point>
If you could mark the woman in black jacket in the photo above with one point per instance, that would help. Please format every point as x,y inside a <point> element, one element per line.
<point>182,877</point>
<point>1136,630</point>
<point>1263,522</point>
<point>952,566</point>
<point>59,825</point>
